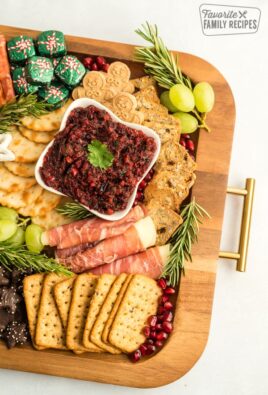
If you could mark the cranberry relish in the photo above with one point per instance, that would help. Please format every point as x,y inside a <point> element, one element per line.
<point>66,167</point>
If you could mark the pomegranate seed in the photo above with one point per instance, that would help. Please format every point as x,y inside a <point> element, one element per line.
<point>110,211</point>
<point>139,196</point>
<point>87,62</point>
<point>135,202</point>
<point>152,320</point>
<point>74,171</point>
<point>100,60</point>
<point>167,326</point>
<point>183,143</point>
<point>146,331</point>
<point>169,291</point>
<point>160,318</point>
<point>159,343</point>
<point>136,356</point>
<point>161,336</point>
<point>164,299</point>
<point>168,306</point>
<point>143,349</point>
<point>186,136</point>
<point>149,342</point>
<point>94,67</point>
<point>167,316</point>
<point>190,145</point>
<point>158,327</point>
<point>161,309</point>
<point>153,335</point>
<point>143,184</point>
<point>105,67</point>
<point>162,283</point>
<point>150,349</point>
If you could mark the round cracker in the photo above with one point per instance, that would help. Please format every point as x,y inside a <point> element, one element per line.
<point>21,169</point>
<point>20,199</point>
<point>45,202</point>
<point>25,151</point>
<point>11,183</point>
<point>51,219</point>
<point>48,122</point>
<point>37,137</point>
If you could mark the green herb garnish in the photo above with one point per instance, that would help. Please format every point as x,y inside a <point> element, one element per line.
<point>74,210</point>
<point>182,240</point>
<point>99,155</point>
<point>11,113</point>
<point>23,259</point>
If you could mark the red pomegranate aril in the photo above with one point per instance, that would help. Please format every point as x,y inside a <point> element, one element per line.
<point>186,136</point>
<point>160,318</point>
<point>158,327</point>
<point>158,344</point>
<point>100,60</point>
<point>169,291</point>
<point>162,283</point>
<point>87,62</point>
<point>149,342</point>
<point>168,306</point>
<point>146,331</point>
<point>164,299</point>
<point>192,156</point>
<point>142,185</point>
<point>183,143</point>
<point>152,320</point>
<point>153,335</point>
<point>94,67</point>
<point>190,145</point>
<point>167,316</point>
<point>105,67</point>
<point>136,356</point>
<point>143,349</point>
<point>167,327</point>
<point>161,309</point>
<point>150,349</point>
<point>74,171</point>
<point>161,336</point>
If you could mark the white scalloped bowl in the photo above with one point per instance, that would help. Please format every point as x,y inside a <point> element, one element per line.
<point>85,102</point>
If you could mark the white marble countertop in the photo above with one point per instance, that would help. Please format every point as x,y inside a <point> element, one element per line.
<point>235,360</point>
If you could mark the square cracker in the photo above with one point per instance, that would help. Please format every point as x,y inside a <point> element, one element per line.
<point>139,302</point>
<point>63,297</point>
<point>119,298</point>
<point>32,289</point>
<point>102,289</point>
<point>83,289</point>
<point>96,332</point>
<point>49,328</point>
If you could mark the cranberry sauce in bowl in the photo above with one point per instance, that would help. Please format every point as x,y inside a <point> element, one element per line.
<point>98,160</point>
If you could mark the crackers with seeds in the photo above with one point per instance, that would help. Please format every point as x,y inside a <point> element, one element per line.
<point>63,296</point>
<point>139,302</point>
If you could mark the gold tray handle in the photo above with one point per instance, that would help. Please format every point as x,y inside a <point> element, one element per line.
<point>241,255</point>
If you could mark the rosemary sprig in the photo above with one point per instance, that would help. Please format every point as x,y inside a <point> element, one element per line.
<point>23,259</point>
<point>11,113</point>
<point>158,61</point>
<point>182,240</point>
<point>74,210</point>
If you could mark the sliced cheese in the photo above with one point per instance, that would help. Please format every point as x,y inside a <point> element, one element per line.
<point>164,252</point>
<point>146,231</point>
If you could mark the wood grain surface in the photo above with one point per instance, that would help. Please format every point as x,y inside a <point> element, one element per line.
<point>195,298</point>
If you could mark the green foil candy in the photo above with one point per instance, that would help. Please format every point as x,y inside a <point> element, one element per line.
<point>51,43</point>
<point>55,94</point>
<point>21,85</point>
<point>39,70</point>
<point>70,70</point>
<point>20,49</point>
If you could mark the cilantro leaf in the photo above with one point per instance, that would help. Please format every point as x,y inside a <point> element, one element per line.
<point>99,155</point>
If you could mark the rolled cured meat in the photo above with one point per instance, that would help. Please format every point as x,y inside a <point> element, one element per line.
<point>137,238</point>
<point>90,230</point>
<point>149,263</point>
<point>67,252</point>
<point>6,85</point>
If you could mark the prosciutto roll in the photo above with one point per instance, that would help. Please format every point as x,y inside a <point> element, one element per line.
<point>137,238</point>
<point>90,230</point>
<point>6,86</point>
<point>149,263</point>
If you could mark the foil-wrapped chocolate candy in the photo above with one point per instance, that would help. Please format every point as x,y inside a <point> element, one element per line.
<point>70,70</point>
<point>55,94</point>
<point>20,49</point>
<point>39,70</point>
<point>20,83</point>
<point>51,43</point>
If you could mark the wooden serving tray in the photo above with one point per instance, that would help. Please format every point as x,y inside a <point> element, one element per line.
<point>195,298</point>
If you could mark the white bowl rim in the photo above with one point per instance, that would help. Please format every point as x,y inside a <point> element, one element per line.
<point>85,102</point>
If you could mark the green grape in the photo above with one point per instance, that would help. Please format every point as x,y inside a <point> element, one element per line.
<point>7,229</point>
<point>33,238</point>
<point>182,97</point>
<point>17,239</point>
<point>8,213</point>
<point>165,100</point>
<point>204,96</point>
<point>189,123</point>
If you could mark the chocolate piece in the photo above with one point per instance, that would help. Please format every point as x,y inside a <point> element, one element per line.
<point>55,94</point>
<point>9,299</point>
<point>15,333</point>
<point>51,43</point>
<point>5,318</point>
<point>4,279</point>
<point>20,49</point>
<point>39,70</point>
<point>70,71</point>
<point>21,85</point>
